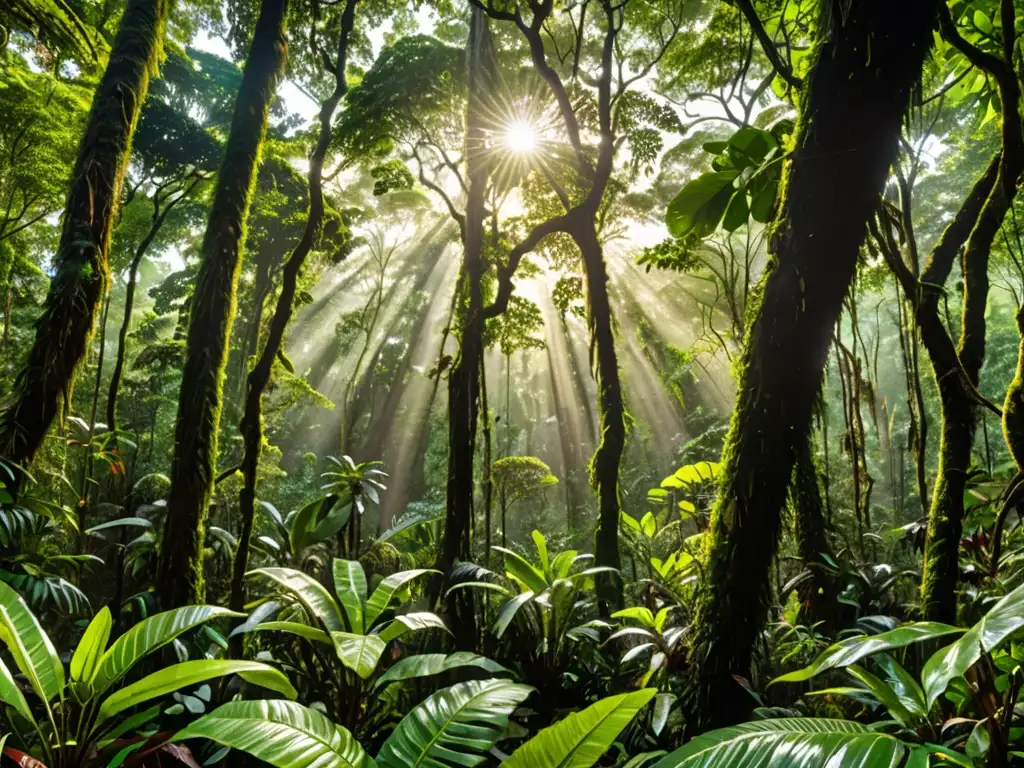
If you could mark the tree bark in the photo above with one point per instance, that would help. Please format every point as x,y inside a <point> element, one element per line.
<point>251,426</point>
<point>866,66</point>
<point>819,599</point>
<point>80,281</point>
<point>212,310</point>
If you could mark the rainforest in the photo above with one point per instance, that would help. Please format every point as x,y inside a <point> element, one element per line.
<point>522,383</point>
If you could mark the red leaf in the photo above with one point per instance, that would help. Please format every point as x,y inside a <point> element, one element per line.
<point>20,759</point>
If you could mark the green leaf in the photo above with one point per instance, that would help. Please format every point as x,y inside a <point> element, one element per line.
<point>412,622</point>
<point>509,610</point>
<point>983,22</point>
<point>582,738</point>
<point>454,726</point>
<point>884,694</point>
<point>188,673</point>
<point>385,592</point>
<point>637,613</point>
<point>308,591</point>
<point>904,685</point>
<point>91,646</point>
<point>30,646</point>
<point>796,743</point>
<point>847,652</point>
<point>295,628</point>
<point>1002,620</point>
<point>11,695</point>
<point>350,585</point>
<point>737,213</point>
<point>282,733</point>
<point>429,664</point>
<point>542,552</point>
<point>360,653</point>
<point>698,207</point>
<point>123,522</point>
<point>148,635</point>
<point>521,570</point>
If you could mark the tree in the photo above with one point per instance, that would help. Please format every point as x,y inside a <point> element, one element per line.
<point>211,313</point>
<point>518,478</point>
<point>849,129</point>
<point>81,269</point>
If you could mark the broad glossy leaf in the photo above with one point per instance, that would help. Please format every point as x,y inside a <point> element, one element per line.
<point>382,596</point>
<point>428,664</point>
<point>148,635</point>
<point>350,585</point>
<point>637,613</point>
<point>33,652</point>
<point>360,653</point>
<point>542,552</point>
<point>412,622</point>
<point>282,733</point>
<point>521,570</point>
<point>91,647</point>
<point>508,612</point>
<point>796,743</point>
<point>455,726</point>
<point>11,695</point>
<point>170,679</point>
<point>295,628</point>
<point>310,592</point>
<point>581,738</point>
<point>847,652</point>
<point>1002,620</point>
<point>698,206</point>
<point>884,694</point>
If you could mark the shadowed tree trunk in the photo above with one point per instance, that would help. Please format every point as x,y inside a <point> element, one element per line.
<point>80,280</point>
<point>251,426</point>
<point>958,376</point>
<point>865,68</point>
<point>464,379</point>
<point>818,597</point>
<point>159,217</point>
<point>211,313</point>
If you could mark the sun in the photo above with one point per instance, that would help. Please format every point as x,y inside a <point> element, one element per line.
<point>520,137</point>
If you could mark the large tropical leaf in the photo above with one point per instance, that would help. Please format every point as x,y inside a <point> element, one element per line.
<point>30,645</point>
<point>1002,620</point>
<point>11,695</point>
<point>698,207</point>
<point>509,610</point>
<point>302,630</point>
<point>282,733</point>
<point>520,569</point>
<point>797,743</point>
<point>385,592</point>
<point>411,622</point>
<point>188,673</point>
<point>848,652</point>
<point>308,591</point>
<point>148,635</point>
<point>350,584</point>
<point>582,738</point>
<point>360,653</point>
<point>454,726</point>
<point>428,664</point>
<point>91,646</point>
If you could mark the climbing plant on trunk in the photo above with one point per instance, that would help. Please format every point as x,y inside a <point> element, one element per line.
<point>211,313</point>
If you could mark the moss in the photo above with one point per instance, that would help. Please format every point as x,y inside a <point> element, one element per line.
<point>212,311</point>
<point>65,326</point>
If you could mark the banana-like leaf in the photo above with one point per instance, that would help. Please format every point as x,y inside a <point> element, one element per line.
<point>91,647</point>
<point>848,652</point>
<point>508,612</point>
<point>454,726</point>
<point>360,653</point>
<point>148,635</point>
<point>308,591</point>
<point>797,743</point>
<point>350,584</point>
<point>385,592</point>
<point>281,733</point>
<point>523,571</point>
<point>11,695</point>
<point>1002,620</point>
<point>582,738</point>
<point>30,645</point>
<point>295,628</point>
<point>189,673</point>
<point>411,622</point>
<point>427,664</point>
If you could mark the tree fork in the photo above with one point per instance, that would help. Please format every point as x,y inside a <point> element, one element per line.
<point>857,91</point>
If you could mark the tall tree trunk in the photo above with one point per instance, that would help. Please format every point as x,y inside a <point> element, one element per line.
<point>819,598</point>
<point>866,65</point>
<point>81,277</point>
<point>159,217</point>
<point>251,426</point>
<point>212,311</point>
<point>464,379</point>
<point>488,479</point>
<point>958,372</point>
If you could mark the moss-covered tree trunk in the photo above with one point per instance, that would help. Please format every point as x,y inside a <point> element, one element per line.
<point>251,426</point>
<point>819,594</point>
<point>464,379</point>
<point>867,61</point>
<point>82,271</point>
<point>958,373</point>
<point>211,313</point>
